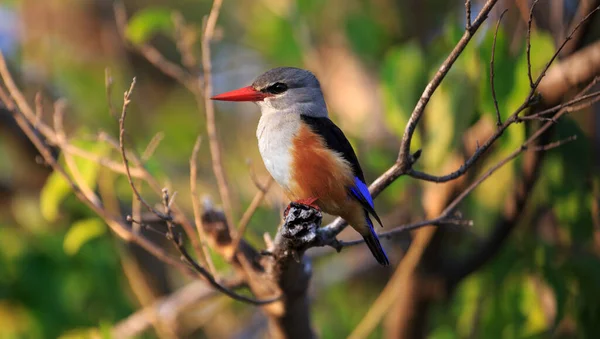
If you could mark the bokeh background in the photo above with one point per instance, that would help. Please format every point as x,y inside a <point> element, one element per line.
<point>63,274</point>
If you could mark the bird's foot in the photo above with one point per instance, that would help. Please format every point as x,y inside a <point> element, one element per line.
<point>308,202</point>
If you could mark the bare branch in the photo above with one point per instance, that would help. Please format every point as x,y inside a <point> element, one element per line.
<point>59,112</point>
<point>149,52</point>
<point>126,102</point>
<point>196,207</point>
<point>571,106</point>
<point>468,14</point>
<point>108,81</point>
<point>258,198</point>
<point>524,147</point>
<point>554,145</point>
<point>166,310</point>
<point>152,146</point>
<point>167,215</point>
<point>441,220</point>
<point>116,224</point>
<point>498,118</point>
<point>560,48</point>
<point>417,113</point>
<point>528,44</point>
<point>185,39</point>
<point>39,108</point>
<point>213,141</point>
<point>253,176</point>
<point>530,100</point>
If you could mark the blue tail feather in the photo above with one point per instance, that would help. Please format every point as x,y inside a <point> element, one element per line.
<point>374,245</point>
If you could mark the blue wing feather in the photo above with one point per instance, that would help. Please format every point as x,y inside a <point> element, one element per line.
<point>360,192</point>
<point>364,191</point>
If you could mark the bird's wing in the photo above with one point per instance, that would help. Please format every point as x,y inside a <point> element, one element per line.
<point>336,141</point>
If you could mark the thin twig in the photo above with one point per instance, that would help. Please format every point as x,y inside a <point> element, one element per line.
<point>571,105</point>
<point>403,164</point>
<point>450,208</point>
<point>468,14</point>
<point>554,144</point>
<point>417,113</point>
<point>169,308</point>
<point>253,176</point>
<point>167,215</point>
<point>560,48</point>
<point>185,39</point>
<point>149,52</point>
<point>116,225</point>
<point>258,198</point>
<point>126,102</point>
<point>410,227</point>
<point>524,147</point>
<point>528,44</point>
<point>152,146</point>
<point>152,182</point>
<point>108,81</point>
<point>196,207</point>
<point>498,118</point>
<point>177,241</point>
<point>514,118</point>
<point>39,109</point>
<point>59,112</point>
<point>213,141</point>
<point>147,177</point>
<point>328,233</point>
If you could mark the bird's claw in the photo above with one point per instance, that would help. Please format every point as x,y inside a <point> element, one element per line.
<point>307,202</point>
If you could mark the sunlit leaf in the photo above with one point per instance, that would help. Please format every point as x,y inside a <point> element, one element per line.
<point>57,189</point>
<point>438,117</point>
<point>80,333</point>
<point>147,23</point>
<point>54,192</point>
<point>531,306</point>
<point>81,232</point>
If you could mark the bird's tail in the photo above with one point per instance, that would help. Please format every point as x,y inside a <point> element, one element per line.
<point>374,245</point>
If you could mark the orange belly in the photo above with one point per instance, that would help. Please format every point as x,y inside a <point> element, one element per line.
<point>318,172</point>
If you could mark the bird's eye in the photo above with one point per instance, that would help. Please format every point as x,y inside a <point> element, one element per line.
<point>277,88</point>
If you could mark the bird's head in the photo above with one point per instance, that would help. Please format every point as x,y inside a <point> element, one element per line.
<point>282,90</point>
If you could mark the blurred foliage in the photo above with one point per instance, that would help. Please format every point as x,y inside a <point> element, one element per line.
<point>61,272</point>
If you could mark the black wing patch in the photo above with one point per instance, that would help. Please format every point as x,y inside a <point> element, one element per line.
<point>336,140</point>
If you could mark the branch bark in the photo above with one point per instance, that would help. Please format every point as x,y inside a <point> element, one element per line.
<point>282,270</point>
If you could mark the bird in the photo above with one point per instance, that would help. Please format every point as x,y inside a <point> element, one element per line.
<point>306,153</point>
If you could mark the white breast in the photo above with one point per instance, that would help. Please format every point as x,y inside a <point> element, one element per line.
<point>275,133</point>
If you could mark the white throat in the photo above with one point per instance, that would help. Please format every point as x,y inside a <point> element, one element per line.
<point>275,134</point>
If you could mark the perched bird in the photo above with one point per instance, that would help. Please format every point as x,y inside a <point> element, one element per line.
<point>306,153</point>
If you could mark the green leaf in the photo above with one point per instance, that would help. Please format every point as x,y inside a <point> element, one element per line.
<point>57,189</point>
<point>148,22</point>
<point>403,76</point>
<point>504,73</point>
<point>53,193</point>
<point>81,232</point>
<point>278,41</point>
<point>366,34</point>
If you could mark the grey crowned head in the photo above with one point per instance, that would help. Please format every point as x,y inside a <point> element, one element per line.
<point>290,90</point>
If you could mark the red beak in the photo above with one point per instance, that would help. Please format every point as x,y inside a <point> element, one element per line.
<point>242,94</point>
